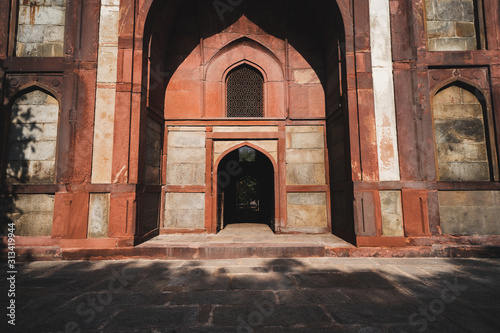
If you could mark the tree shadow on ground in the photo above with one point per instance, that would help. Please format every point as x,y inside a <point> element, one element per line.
<point>259,295</point>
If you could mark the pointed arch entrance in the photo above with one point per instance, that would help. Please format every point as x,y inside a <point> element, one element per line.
<point>305,111</point>
<point>245,188</point>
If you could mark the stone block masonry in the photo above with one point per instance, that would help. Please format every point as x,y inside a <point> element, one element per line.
<point>98,215</point>
<point>186,151</point>
<point>31,213</point>
<point>460,136</point>
<point>185,210</point>
<point>185,166</point>
<point>32,139</point>
<point>392,215</point>
<point>305,157</point>
<point>451,25</point>
<point>306,210</point>
<point>41,26</point>
<point>470,212</point>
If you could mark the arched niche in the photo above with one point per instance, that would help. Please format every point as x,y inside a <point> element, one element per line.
<point>156,27</point>
<point>31,131</point>
<point>29,159</point>
<point>462,133</point>
<point>237,53</point>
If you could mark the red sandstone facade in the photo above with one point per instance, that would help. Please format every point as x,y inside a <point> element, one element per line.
<point>172,61</point>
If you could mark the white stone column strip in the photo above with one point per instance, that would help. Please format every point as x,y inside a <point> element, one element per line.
<point>106,92</point>
<point>383,89</point>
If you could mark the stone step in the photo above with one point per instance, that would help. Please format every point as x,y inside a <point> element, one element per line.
<point>257,250</point>
<point>249,241</point>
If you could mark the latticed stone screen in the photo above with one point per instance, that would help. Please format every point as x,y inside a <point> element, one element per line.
<point>245,93</point>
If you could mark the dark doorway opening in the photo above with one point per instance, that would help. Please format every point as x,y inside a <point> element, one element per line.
<point>245,188</point>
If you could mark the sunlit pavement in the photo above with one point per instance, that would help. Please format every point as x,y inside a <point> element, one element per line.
<point>258,295</point>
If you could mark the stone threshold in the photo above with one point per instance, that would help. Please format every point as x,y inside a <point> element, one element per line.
<point>251,241</point>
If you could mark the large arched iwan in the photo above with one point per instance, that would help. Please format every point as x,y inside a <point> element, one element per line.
<point>329,93</point>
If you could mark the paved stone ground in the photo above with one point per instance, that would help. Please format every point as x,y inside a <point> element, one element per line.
<point>259,295</point>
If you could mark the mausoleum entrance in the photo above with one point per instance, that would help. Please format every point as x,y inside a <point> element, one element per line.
<point>245,188</point>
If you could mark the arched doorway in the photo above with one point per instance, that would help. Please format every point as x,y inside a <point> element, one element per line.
<point>245,188</point>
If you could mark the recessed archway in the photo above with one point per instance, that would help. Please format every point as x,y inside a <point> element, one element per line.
<point>188,51</point>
